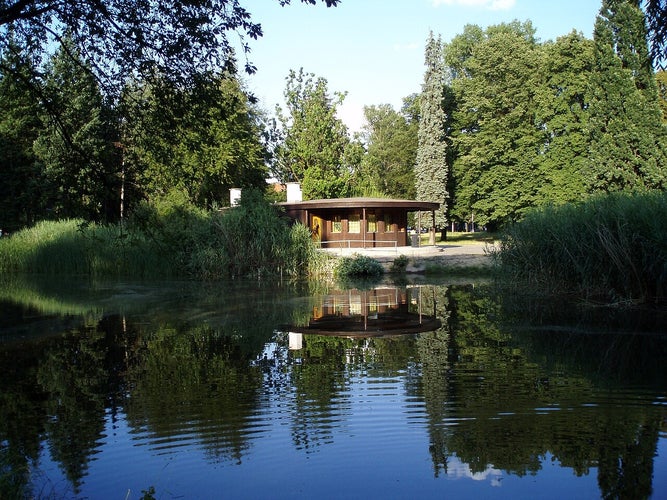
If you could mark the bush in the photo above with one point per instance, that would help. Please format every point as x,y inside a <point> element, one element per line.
<point>358,266</point>
<point>612,246</point>
<point>399,265</point>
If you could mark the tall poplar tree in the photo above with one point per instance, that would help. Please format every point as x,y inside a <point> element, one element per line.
<point>431,169</point>
<point>628,142</point>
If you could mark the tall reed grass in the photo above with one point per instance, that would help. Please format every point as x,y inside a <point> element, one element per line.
<point>611,247</point>
<point>168,239</point>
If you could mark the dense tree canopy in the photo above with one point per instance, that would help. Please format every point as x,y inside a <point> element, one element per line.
<point>542,123</point>
<point>75,148</point>
<point>21,199</point>
<point>628,141</point>
<point>391,142</point>
<point>202,141</point>
<point>496,172</point>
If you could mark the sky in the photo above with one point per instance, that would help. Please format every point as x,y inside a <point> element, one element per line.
<point>374,49</point>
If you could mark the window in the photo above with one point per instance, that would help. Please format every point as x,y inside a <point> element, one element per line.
<point>388,226</point>
<point>371,223</point>
<point>337,224</point>
<point>354,224</point>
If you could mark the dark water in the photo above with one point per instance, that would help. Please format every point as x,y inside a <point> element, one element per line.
<point>111,390</point>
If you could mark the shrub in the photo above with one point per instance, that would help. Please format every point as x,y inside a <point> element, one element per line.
<point>167,238</point>
<point>399,265</point>
<point>358,266</point>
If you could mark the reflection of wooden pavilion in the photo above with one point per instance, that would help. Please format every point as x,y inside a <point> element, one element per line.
<point>379,312</point>
<point>358,222</point>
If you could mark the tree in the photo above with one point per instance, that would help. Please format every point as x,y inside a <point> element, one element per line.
<point>391,139</point>
<point>202,140</point>
<point>562,112</point>
<point>431,169</point>
<point>656,20</point>
<point>76,146</point>
<point>496,169</point>
<point>121,38</point>
<point>628,143</point>
<point>313,151</point>
<point>661,80</point>
<point>21,201</point>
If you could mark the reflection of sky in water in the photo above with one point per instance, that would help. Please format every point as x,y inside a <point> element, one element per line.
<point>461,470</point>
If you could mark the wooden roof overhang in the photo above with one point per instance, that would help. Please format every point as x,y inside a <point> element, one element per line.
<point>338,203</point>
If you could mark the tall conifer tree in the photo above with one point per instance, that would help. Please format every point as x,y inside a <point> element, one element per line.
<point>21,202</point>
<point>76,147</point>
<point>431,169</point>
<point>628,148</point>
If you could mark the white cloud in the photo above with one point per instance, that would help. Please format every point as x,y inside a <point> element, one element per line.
<point>456,469</point>
<point>485,4</point>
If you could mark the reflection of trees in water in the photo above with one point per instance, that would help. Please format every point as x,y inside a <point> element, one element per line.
<point>194,382</point>
<point>73,373</point>
<point>492,404</point>
<point>495,395</point>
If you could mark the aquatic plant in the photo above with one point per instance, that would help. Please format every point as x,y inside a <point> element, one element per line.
<point>168,238</point>
<point>611,247</point>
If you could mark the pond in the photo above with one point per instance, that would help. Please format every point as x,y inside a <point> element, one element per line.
<point>260,390</point>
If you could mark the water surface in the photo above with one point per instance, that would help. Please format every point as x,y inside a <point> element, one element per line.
<point>257,390</point>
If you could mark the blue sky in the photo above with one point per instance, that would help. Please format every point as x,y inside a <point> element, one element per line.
<point>374,49</point>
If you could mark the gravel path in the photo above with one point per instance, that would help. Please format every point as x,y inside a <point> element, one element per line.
<point>451,255</point>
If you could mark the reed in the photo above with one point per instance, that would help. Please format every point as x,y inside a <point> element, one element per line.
<point>167,239</point>
<point>611,247</point>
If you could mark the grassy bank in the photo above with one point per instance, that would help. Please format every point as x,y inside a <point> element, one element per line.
<point>167,239</point>
<point>612,248</point>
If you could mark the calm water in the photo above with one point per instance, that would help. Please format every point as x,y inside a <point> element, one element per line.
<point>110,390</point>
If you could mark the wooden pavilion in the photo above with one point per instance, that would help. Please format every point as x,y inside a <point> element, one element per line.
<point>358,222</point>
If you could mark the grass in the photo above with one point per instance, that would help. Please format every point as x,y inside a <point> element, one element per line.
<point>461,238</point>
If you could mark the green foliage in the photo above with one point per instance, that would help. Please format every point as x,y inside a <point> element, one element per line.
<point>399,265</point>
<point>315,145</point>
<point>169,238</point>
<point>495,169</point>
<point>661,81</point>
<point>202,140</point>
<point>388,166</point>
<point>21,178</point>
<point>76,149</point>
<point>432,168</point>
<point>359,266</point>
<point>562,109</point>
<point>613,246</point>
<point>628,139</point>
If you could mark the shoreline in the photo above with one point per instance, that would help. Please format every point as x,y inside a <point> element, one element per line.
<point>473,255</point>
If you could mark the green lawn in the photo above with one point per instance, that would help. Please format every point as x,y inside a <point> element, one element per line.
<point>462,238</point>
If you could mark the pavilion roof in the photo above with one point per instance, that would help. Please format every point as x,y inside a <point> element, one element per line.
<point>336,203</point>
